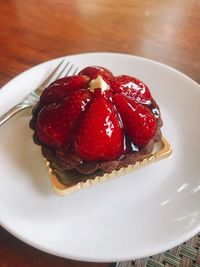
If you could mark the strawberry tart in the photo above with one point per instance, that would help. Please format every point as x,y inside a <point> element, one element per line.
<point>94,123</point>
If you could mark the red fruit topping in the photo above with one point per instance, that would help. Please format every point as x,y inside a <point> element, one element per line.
<point>138,121</point>
<point>63,87</point>
<point>93,71</point>
<point>56,122</point>
<point>100,136</point>
<point>95,115</point>
<point>132,88</point>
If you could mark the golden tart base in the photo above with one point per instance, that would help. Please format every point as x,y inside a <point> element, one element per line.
<point>162,150</point>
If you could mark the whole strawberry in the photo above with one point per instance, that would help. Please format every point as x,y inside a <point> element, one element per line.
<point>131,87</point>
<point>62,88</point>
<point>100,135</point>
<point>138,121</point>
<point>56,122</point>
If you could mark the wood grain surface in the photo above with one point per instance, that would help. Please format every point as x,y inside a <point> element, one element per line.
<point>33,31</point>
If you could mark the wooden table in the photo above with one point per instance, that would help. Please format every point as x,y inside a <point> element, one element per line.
<point>34,31</point>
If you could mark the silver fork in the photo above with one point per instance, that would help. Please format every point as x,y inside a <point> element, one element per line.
<point>61,70</point>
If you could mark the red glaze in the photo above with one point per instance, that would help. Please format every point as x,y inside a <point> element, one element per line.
<point>95,123</point>
<point>131,87</point>
<point>138,121</point>
<point>99,136</point>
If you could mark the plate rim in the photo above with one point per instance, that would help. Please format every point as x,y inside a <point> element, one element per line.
<point>148,252</point>
<point>106,53</point>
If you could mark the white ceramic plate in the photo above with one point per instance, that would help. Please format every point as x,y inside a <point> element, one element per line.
<point>137,215</point>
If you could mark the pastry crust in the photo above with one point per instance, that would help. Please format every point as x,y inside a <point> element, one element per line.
<point>161,151</point>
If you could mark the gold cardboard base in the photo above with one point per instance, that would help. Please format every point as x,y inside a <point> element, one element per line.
<point>161,151</point>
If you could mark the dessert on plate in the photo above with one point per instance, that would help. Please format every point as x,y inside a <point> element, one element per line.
<point>94,125</point>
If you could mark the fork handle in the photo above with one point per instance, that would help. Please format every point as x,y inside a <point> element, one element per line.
<point>11,112</point>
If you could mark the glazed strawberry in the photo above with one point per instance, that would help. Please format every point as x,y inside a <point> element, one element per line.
<point>132,88</point>
<point>94,71</point>
<point>100,135</point>
<point>138,121</point>
<point>62,88</point>
<point>56,122</point>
